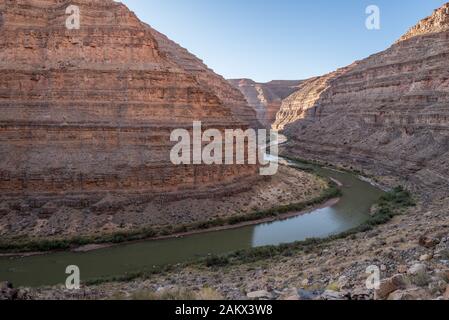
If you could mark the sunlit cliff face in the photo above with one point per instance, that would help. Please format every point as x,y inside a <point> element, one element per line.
<point>90,109</point>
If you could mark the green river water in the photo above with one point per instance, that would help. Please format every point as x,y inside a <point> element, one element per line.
<point>49,269</point>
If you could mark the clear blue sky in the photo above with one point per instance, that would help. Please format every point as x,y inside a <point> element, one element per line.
<point>280,39</point>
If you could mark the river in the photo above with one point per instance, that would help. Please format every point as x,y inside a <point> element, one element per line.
<point>49,269</point>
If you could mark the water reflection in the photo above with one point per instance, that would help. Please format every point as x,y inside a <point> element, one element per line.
<point>351,211</point>
<point>319,224</point>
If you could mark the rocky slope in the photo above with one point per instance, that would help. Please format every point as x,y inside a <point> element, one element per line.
<point>266,98</point>
<point>388,113</point>
<point>86,113</point>
<point>295,106</point>
<point>437,22</point>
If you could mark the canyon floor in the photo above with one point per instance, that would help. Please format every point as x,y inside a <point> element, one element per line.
<point>412,252</point>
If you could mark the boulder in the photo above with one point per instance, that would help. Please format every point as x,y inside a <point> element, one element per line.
<point>390,285</point>
<point>361,294</point>
<point>343,282</point>
<point>417,269</point>
<point>409,294</point>
<point>261,294</point>
<point>425,257</point>
<point>428,242</point>
<point>402,269</point>
<point>308,295</point>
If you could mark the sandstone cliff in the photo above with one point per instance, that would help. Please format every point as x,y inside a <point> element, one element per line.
<point>388,113</point>
<point>295,106</point>
<point>229,95</point>
<point>215,83</point>
<point>437,22</point>
<point>266,98</point>
<point>88,112</point>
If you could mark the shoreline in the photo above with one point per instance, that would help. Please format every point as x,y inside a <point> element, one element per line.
<point>95,247</point>
<point>234,259</point>
<point>328,197</point>
<point>281,217</point>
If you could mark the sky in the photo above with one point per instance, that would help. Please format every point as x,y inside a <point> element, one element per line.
<point>280,39</point>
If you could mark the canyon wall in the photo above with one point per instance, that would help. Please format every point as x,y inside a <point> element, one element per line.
<point>227,93</point>
<point>90,111</point>
<point>388,113</point>
<point>266,98</point>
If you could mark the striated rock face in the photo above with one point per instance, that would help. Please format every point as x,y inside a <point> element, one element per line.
<point>437,22</point>
<point>229,95</point>
<point>388,113</point>
<point>266,98</point>
<point>295,106</point>
<point>90,111</point>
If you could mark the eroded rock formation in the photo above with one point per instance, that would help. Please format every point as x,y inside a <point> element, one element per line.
<point>295,106</point>
<point>388,113</point>
<point>266,98</point>
<point>228,94</point>
<point>88,112</point>
<point>437,22</point>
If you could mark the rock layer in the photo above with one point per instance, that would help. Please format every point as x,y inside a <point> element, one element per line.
<point>90,111</point>
<point>295,106</point>
<point>437,22</point>
<point>229,95</point>
<point>266,98</point>
<point>388,113</point>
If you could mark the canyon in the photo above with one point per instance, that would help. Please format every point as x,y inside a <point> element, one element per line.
<point>266,98</point>
<point>86,115</point>
<point>385,117</point>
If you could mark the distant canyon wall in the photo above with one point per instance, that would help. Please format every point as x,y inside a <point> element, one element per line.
<point>266,98</point>
<point>388,113</point>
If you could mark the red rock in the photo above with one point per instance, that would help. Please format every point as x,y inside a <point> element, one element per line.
<point>428,242</point>
<point>266,98</point>
<point>387,113</point>
<point>88,112</point>
<point>437,22</point>
<point>388,286</point>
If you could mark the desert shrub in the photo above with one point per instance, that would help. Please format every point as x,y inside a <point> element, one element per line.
<point>177,294</point>
<point>334,286</point>
<point>27,245</point>
<point>422,279</point>
<point>216,261</point>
